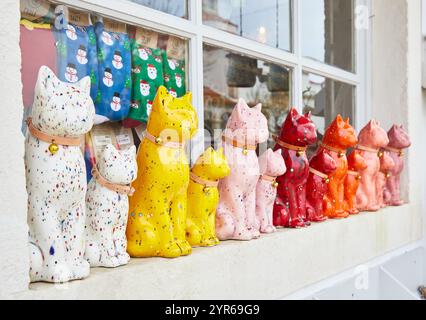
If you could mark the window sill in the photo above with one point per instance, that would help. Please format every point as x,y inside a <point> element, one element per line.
<point>268,268</point>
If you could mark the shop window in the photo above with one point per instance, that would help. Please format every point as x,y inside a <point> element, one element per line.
<point>327,31</point>
<point>178,8</point>
<point>267,21</point>
<point>229,76</point>
<point>126,65</point>
<point>326,98</point>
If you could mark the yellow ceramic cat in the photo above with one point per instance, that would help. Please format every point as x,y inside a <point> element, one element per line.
<point>157,210</point>
<point>203,197</point>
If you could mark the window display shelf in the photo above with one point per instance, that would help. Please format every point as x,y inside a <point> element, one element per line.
<point>269,268</point>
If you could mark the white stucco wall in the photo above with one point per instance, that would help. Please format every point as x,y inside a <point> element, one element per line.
<point>13,228</point>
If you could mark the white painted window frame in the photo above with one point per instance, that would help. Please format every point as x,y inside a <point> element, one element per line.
<point>197,34</point>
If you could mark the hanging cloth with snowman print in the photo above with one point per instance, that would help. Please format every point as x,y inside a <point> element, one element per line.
<point>147,76</point>
<point>77,55</point>
<point>174,75</point>
<point>114,57</point>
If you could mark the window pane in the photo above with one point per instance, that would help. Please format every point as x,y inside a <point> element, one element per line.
<point>177,8</point>
<point>266,21</point>
<point>326,98</point>
<point>328,32</point>
<point>229,76</point>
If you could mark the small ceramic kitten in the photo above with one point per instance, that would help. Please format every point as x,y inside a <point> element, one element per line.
<point>107,209</point>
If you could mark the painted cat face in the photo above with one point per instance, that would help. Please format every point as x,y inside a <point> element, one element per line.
<point>298,129</point>
<point>247,124</point>
<point>118,166</point>
<point>356,161</point>
<point>172,117</point>
<point>213,164</point>
<point>323,162</point>
<point>272,163</point>
<point>61,108</point>
<point>398,137</point>
<point>372,135</point>
<point>340,134</point>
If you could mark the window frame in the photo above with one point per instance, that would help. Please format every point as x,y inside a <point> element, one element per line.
<point>196,33</point>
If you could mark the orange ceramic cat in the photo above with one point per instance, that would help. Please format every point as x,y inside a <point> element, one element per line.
<point>338,137</point>
<point>356,163</point>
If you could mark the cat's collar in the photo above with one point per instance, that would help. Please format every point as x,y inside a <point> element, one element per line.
<point>271,179</point>
<point>299,150</point>
<point>355,174</point>
<point>341,152</point>
<point>204,182</point>
<point>54,141</point>
<point>320,174</point>
<point>399,152</point>
<point>160,142</point>
<point>120,188</point>
<point>235,143</point>
<point>371,150</point>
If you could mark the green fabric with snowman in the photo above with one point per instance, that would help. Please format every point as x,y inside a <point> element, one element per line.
<point>174,75</point>
<point>147,76</point>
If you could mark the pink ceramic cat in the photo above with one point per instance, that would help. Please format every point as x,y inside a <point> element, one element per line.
<point>398,141</point>
<point>370,140</point>
<point>272,165</point>
<point>386,166</point>
<point>236,212</point>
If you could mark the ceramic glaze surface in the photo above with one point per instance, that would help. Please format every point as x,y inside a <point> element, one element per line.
<point>203,200</point>
<point>157,210</point>
<point>374,137</point>
<point>386,166</point>
<point>340,135</point>
<point>271,165</point>
<point>56,183</point>
<point>236,213</point>
<point>290,204</point>
<point>356,164</point>
<point>398,139</point>
<point>107,210</point>
<point>317,186</point>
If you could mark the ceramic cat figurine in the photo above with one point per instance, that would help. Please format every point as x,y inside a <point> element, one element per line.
<point>356,164</point>
<point>370,141</point>
<point>271,165</point>
<point>157,211</point>
<point>398,141</point>
<point>236,213</point>
<point>320,167</point>
<point>107,207</point>
<point>203,197</point>
<point>297,133</point>
<point>386,166</point>
<point>338,137</point>
<point>56,178</point>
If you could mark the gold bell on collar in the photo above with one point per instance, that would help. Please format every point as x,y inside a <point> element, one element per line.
<point>206,190</point>
<point>401,154</point>
<point>388,175</point>
<point>53,148</point>
<point>158,140</point>
<point>359,177</point>
<point>380,154</point>
<point>299,153</point>
<point>245,151</point>
<point>341,154</point>
<point>327,180</point>
<point>275,184</point>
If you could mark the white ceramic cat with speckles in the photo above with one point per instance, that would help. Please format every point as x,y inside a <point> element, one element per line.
<point>56,183</point>
<point>107,210</point>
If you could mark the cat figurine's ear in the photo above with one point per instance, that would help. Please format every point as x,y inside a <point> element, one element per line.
<point>132,151</point>
<point>84,85</point>
<point>258,107</point>
<point>46,80</point>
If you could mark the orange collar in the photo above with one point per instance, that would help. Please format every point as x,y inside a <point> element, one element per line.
<point>371,150</point>
<point>235,143</point>
<point>53,140</point>
<point>340,152</point>
<point>204,182</point>
<point>120,188</point>
<point>320,174</point>
<point>355,174</point>
<point>399,152</point>
<point>300,150</point>
<point>168,144</point>
<point>270,179</point>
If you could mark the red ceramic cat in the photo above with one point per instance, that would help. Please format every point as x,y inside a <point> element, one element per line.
<point>297,133</point>
<point>338,137</point>
<point>398,141</point>
<point>320,167</point>
<point>386,166</point>
<point>371,139</point>
<point>356,163</point>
